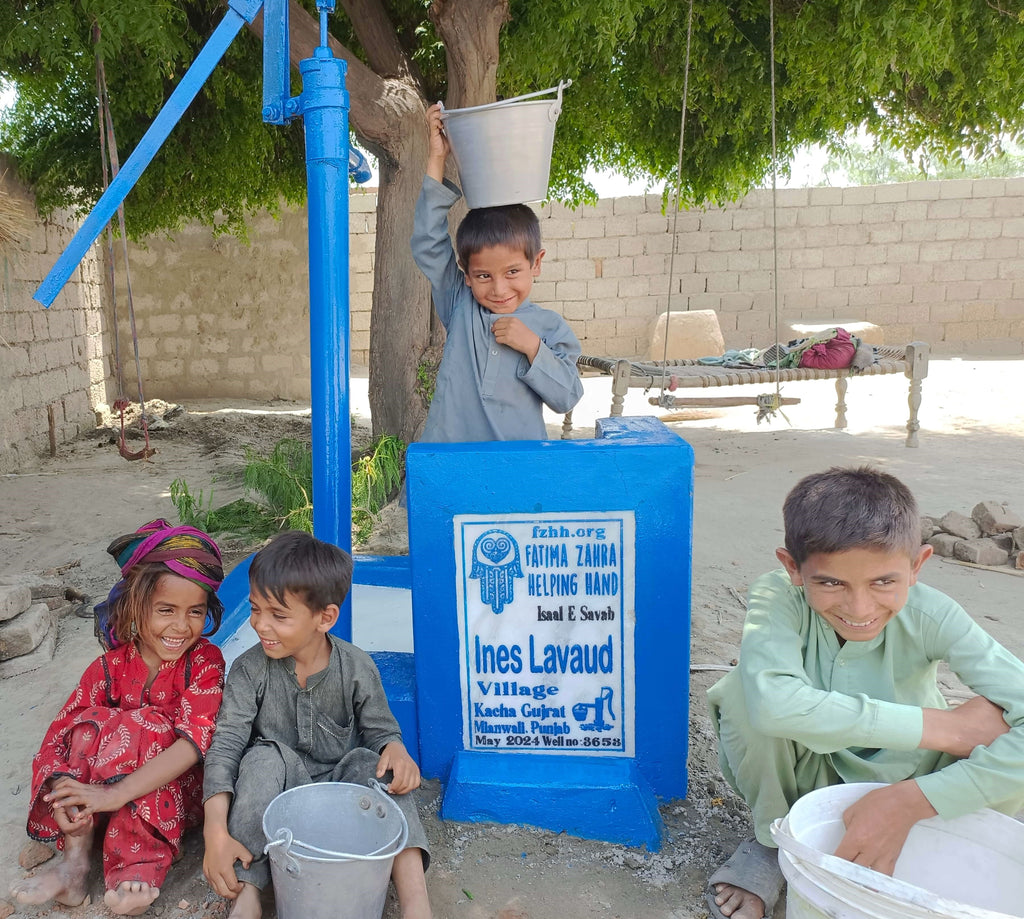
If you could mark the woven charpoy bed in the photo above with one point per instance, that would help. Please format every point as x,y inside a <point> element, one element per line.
<point>910,360</point>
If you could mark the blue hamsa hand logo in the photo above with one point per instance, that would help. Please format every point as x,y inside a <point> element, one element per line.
<point>496,565</point>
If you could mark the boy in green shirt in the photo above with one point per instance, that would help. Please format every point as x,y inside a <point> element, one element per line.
<point>837,683</point>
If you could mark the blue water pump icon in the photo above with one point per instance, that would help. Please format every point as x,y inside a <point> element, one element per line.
<point>603,701</point>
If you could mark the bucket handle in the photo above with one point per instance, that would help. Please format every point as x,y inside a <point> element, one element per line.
<point>874,880</point>
<point>286,839</point>
<point>291,865</point>
<point>553,114</point>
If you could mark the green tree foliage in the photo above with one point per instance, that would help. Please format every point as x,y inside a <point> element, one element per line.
<point>880,164</point>
<point>216,165</point>
<point>939,78</point>
<point>942,78</point>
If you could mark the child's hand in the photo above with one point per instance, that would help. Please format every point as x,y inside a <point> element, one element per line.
<point>69,822</point>
<point>958,731</point>
<point>222,850</point>
<point>877,825</point>
<point>438,147</point>
<point>508,330</point>
<point>406,773</point>
<point>79,800</point>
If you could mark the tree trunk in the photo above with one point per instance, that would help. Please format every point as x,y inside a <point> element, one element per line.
<point>387,114</point>
<point>388,117</point>
<point>470,30</point>
<point>400,320</point>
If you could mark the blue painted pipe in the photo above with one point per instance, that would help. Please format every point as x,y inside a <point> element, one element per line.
<point>324,107</point>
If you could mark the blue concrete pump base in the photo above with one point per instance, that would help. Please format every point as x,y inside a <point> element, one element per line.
<point>599,799</point>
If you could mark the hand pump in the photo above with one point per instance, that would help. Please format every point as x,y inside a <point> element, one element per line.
<point>323,106</point>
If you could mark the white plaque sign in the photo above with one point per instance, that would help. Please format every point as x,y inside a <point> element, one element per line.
<point>545,606</point>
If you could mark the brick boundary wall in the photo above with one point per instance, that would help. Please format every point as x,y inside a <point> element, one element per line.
<point>49,358</point>
<point>937,261</point>
<point>224,318</point>
<point>941,262</point>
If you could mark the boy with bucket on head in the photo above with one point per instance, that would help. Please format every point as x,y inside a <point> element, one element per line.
<point>505,358</point>
<point>302,706</point>
<point>837,683</point>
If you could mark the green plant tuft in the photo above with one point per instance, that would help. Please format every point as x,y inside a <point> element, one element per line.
<point>283,481</point>
<point>376,477</point>
<point>426,380</point>
<point>279,489</point>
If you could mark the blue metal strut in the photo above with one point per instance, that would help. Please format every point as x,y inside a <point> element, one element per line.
<point>239,12</point>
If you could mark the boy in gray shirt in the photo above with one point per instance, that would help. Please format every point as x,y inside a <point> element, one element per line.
<point>302,706</point>
<point>505,358</point>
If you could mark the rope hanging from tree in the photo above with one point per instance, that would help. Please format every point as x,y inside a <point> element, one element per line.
<point>768,404</point>
<point>111,166</point>
<point>679,183</point>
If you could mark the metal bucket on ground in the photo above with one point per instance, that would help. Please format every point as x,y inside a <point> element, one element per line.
<point>331,848</point>
<point>503,150</point>
<point>968,868</point>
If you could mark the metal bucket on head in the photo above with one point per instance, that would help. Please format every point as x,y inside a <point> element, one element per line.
<point>503,150</point>
<point>331,847</point>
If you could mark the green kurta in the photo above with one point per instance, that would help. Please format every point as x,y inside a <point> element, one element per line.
<point>854,713</point>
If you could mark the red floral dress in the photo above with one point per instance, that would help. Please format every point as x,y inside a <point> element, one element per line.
<point>110,726</point>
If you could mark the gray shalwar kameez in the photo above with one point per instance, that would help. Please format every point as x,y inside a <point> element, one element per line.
<point>273,734</point>
<point>485,390</point>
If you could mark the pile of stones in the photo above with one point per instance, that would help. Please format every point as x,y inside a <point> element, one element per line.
<point>992,535</point>
<point>31,606</point>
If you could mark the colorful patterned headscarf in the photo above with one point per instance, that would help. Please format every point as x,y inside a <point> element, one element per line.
<point>183,550</point>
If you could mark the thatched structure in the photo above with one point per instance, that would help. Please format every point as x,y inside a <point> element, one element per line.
<point>14,222</point>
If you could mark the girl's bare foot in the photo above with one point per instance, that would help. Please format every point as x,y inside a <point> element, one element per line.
<point>247,904</point>
<point>63,882</point>
<point>131,898</point>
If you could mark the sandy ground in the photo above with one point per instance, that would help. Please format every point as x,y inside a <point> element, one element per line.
<point>971,450</point>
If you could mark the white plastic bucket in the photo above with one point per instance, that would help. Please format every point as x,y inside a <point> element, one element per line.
<point>968,868</point>
<point>331,847</point>
<point>503,150</point>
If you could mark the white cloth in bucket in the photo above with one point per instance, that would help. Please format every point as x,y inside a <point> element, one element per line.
<point>968,868</point>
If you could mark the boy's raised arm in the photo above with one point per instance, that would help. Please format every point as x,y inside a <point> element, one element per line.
<point>438,147</point>
<point>431,242</point>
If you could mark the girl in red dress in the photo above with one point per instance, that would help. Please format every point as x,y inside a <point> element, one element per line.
<point>123,756</point>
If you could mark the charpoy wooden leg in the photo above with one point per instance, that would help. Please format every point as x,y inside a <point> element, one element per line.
<point>620,386</point>
<point>916,371</point>
<point>567,425</point>
<point>841,384</point>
